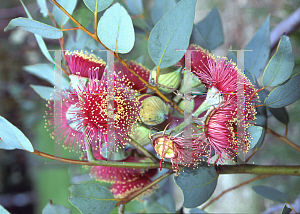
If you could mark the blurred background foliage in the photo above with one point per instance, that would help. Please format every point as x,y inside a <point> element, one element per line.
<point>27,182</point>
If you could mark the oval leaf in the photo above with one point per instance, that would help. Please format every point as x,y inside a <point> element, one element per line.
<point>92,198</point>
<point>59,16</point>
<point>135,7</point>
<point>256,60</point>
<point>284,94</point>
<point>255,134</point>
<point>100,4</point>
<point>271,193</point>
<point>160,202</point>
<point>280,114</point>
<point>46,72</point>
<point>43,6</point>
<point>39,39</point>
<point>3,210</point>
<point>35,27</point>
<point>160,8</point>
<point>200,186</point>
<point>56,209</point>
<point>115,29</point>
<point>197,38</point>
<point>211,29</point>
<point>171,35</point>
<point>44,91</point>
<point>12,138</point>
<point>280,66</point>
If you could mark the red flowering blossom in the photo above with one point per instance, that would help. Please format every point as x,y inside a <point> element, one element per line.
<point>135,83</point>
<point>64,123</point>
<point>85,65</point>
<point>93,106</point>
<point>125,180</point>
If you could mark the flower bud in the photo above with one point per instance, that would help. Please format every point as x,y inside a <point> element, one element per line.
<point>169,77</point>
<point>153,111</point>
<point>141,134</point>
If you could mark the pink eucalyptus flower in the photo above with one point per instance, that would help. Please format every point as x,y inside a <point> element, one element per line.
<point>64,123</point>
<point>125,180</point>
<point>85,65</point>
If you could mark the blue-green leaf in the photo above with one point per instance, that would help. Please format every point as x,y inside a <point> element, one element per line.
<point>197,211</point>
<point>197,38</point>
<point>160,202</point>
<point>255,134</point>
<point>171,35</point>
<point>197,185</point>
<point>101,4</point>
<point>284,94</point>
<point>286,210</point>
<point>60,17</point>
<point>134,206</point>
<point>56,209</point>
<point>271,193</point>
<point>135,7</point>
<point>256,60</point>
<point>12,138</point>
<point>44,91</point>
<point>43,6</point>
<point>36,27</point>
<point>46,72</point>
<point>160,8</point>
<point>211,29</point>
<point>115,29</point>
<point>3,210</point>
<point>39,39</point>
<point>92,197</point>
<point>280,66</point>
<point>280,114</point>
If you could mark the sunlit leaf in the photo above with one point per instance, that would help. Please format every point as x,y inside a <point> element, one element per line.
<point>200,186</point>
<point>284,94</point>
<point>3,210</point>
<point>170,36</point>
<point>36,27</point>
<point>43,6</point>
<point>271,193</point>
<point>160,7</point>
<point>46,72</point>
<point>101,4</point>
<point>44,91</point>
<point>280,66</point>
<point>116,31</point>
<point>59,16</point>
<point>135,7</point>
<point>12,138</point>
<point>56,209</point>
<point>256,60</point>
<point>160,202</point>
<point>39,39</point>
<point>92,198</point>
<point>255,133</point>
<point>211,29</point>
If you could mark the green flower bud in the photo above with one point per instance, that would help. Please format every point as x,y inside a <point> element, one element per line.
<point>141,135</point>
<point>169,77</point>
<point>153,111</point>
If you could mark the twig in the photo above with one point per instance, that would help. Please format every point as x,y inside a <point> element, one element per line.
<point>235,187</point>
<point>290,143</point>
<point>288,26</point>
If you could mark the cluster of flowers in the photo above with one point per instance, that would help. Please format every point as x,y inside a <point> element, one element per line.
<point>84,115</point>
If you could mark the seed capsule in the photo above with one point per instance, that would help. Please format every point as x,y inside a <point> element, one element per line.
<point>169,77</point>
<point>153,111</point>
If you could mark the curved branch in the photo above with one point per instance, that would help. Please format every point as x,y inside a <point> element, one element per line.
<point>288,26</point>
